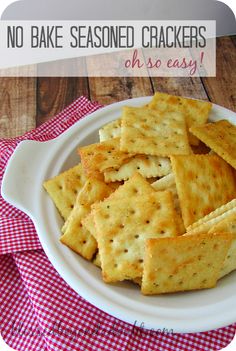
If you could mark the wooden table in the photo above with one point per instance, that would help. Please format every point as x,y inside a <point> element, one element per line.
<point>28,102</point>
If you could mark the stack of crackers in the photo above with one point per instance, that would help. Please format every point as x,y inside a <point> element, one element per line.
<point>154,202</point>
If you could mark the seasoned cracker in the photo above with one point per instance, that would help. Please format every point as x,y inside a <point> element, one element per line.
<point>75,235</point>
<point>220,137</point>
<point>213,215</point>
<point>204,182</point>
<point>168,183</point>
<point>196,112</point>
<point>88,223</point>
<point>97,260</point>
<point>206,226</point>
<point>148,166</point>
<point>64,188</point>
<point>150,132</point>
<point>124,224</point>
<point>110,130</point>
<point>227,225</point>
<point>96,158</point>
<point>136,185</point>
<point>183,263</point>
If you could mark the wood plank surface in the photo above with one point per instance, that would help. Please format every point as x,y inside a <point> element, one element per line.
<point>189,87</point>
<point>17,106</point>
<point>27,102</point>
<point>109,90</point>
<point>222,88</point>
<point>53,94</point>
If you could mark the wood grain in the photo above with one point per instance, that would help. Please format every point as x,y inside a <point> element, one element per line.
<point>107,90</point>
<point>222,88</point>
<point>189,87</point>
<point>112,88</point>
<point>54,94</point>
<point>27,102</point>
<point>18,106</point>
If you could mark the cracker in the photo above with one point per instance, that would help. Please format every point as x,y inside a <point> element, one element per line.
<point>204,182</point>
<point>196,112</point>
<point>206,226</point>
<point>146,131</point>
<point>110,130</point>
<point>148,166</point>
<point>63,189</point>
<point>183,263</point>
<point>124,224</point>
<point>136,185</point>
<point>227,225</point>
<point>96,158</point>
<point>97,260</point>
<point>220,137</point>
<point>75,235</point>
<point>212,215</point>
<point>88,223</point>
<point>168,183</point>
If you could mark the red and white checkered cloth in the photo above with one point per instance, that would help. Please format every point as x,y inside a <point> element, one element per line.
<point>39,311</point>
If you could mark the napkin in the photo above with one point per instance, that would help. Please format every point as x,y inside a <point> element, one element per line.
<point>39,311</point>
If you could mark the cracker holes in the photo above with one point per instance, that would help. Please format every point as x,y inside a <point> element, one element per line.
<point>140,260</point>
<point>125,250</point>
<point>84,242</point>
<point>136,236</point>
<point>135,190</point>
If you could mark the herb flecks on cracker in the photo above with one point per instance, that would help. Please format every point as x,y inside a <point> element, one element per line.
<point>204,182</point>
<point>183,263</point>
<point>64,188</point>
<point>220,137</point>
<point>76,236</point>
<point>146,131</point>
<point>196,112</point>
<point>124,224</point>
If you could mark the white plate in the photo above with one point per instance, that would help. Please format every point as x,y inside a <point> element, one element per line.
<point>33,162</point>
